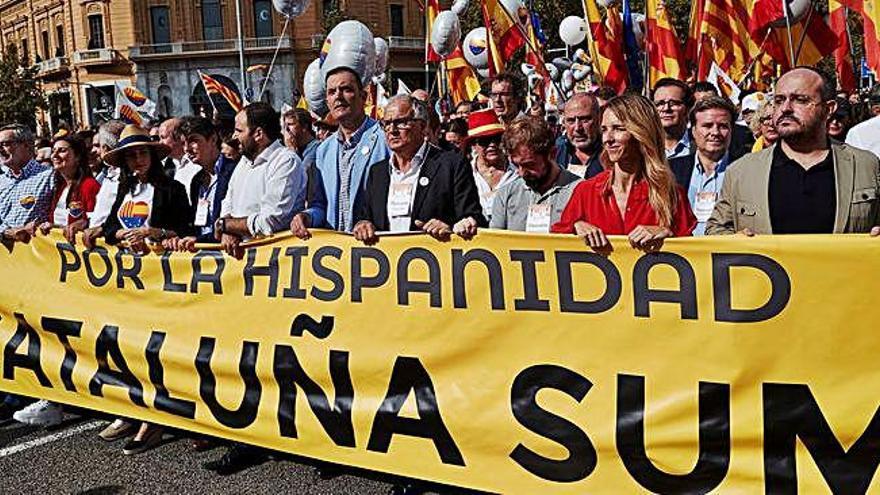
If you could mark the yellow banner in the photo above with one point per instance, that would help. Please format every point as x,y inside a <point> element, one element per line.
<point>512,363</point>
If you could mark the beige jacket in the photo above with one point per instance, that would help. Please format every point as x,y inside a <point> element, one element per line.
<point>744,201</point>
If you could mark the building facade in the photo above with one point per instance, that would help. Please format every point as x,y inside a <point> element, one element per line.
<point>87,51</point>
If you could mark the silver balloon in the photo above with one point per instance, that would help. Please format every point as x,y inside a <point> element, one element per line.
<point>314,89</point>
<point>476,49</point>
<point>290,8</point>
<point>350,45</point>
<point>517,10</point>
<point>445,33</point>
<point>797,9</point>
<point>573,30</point>
<point>567,80</point>
<point>527,69</point>
<point>381,56</point>
<point>580,71</point>
<point>459,6</point>
<point>552,71</point>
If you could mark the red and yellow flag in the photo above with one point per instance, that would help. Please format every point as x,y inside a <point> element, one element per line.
<point>605,46</point>
<point>869,10</point>
<point>503,36</point>
<point>432,8</point>
<point>215,87</point>
<point>662,46</point>
<point>812,38</point>
<point>463,83</point>
<point>725,38</point>
<point>843,63</point>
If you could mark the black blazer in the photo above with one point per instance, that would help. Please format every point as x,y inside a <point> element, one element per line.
<point>682,167</point>
<point>171,210</point>
<point>450,195</point>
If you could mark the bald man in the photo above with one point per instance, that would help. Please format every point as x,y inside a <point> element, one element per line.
<point>803,184</point>
<point>177,165</point>
<point>578,149</point>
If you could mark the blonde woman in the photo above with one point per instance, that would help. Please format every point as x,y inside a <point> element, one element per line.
<point>761,124</point>
<point>636,195</point>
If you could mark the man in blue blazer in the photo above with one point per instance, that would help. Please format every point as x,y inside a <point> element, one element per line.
<point>343,159</point>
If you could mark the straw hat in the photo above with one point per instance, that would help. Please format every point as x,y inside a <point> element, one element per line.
<point>133,136</point>
<point>483,123</point>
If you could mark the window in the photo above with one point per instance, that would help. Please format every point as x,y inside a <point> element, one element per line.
<point>25,54</point>
<point>161,25</point>
<point>44,37</point>
<point>96,32</point>
<point>396,20</point>
<point>263,18</point>
<point>59,40</point>
<point>212,20</point>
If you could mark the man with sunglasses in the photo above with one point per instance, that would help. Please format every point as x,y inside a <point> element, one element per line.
<point>804,184</point>
<point>420,187</point>
<point>578,149</point>
<point>491,166</point>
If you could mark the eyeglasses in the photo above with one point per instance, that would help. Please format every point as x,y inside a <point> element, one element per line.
<point>500,94</point>
<point>403,124</point>
<point>8,144</point>
<point>796,100</point>
<point>669,103</point>
<point>487,140</point>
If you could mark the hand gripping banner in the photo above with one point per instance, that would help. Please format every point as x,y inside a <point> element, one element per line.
<point>511,363</point>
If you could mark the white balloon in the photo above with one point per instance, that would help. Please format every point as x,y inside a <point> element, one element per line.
<point>797,9</point>
<point>639,28</point>
<point>534,80</point>
<point>581,71</point>
<point>573,30</point>
<point>314,89</point>
<point>381,56</point>
<point>380,79</point>
<point>567,80</point>
<point>484,73</point>
<point>459,6</point>
<point>517,10</point>
<point>581,56</point>
<point>476,49</point>
<point>445,33</point>
<point>552,71</point>
<point>290,8</point>
<point>527,69</point>
<point>350,44</point>
<point>606,3</point>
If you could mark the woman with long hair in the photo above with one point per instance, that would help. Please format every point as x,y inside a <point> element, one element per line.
<point>75,191</point>
<point>636,195</point>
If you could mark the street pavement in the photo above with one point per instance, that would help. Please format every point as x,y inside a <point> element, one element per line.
<point>71,459</point>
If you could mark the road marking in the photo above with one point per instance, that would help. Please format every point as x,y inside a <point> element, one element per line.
<point>61,435</point>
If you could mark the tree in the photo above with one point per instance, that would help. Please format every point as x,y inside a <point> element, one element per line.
<point>20,94</point>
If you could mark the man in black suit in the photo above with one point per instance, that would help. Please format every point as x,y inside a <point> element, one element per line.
<point>420,187</point>
<point>701,173</point>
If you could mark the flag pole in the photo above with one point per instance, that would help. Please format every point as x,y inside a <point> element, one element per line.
<point>594,50</point>
<point>202,79</point>
<point>791,58</point>
<point>797,54</point>
<point>857,71</point>
<point>244,84</point>
<point>274,56</point>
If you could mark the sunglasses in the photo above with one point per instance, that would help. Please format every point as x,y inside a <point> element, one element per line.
<point>485,141</point>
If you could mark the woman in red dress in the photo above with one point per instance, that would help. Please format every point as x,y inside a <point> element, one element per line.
<point>636,195</point>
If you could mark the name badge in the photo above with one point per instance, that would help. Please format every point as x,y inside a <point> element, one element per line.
<point>579,170</point>
<point>539,218</point>
<point>202,213</point>
<point>399,200</point>
<point>704,203</point>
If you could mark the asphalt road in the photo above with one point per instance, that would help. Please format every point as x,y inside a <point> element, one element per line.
<point>71,459</point>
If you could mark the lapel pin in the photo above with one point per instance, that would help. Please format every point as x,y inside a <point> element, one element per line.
<point>365,150</point>
<point>424,181</point>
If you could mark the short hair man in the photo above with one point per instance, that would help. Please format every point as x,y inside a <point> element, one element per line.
<point>420,187</point>
<point>535,200</point>
<point>673,99</point>
<point>344,158</point>
<point>25,185</point>
<point>177,164</point>
<point>506,93</point>
<point>803,184</point>
<point>701,173</point>
<point>300,137</point>
<point>866,135</point>
<point>208,187</point>
<point>578,149</point>
<point>704,89</point>
<point>268,184</point>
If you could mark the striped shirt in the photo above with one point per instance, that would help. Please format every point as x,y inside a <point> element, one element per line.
<point>347,152</point>
<point>27,197</point>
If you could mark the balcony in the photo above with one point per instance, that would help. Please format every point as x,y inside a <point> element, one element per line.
<point>53,66</point>
<point>206,48</point>
<point>406,43</point>
<point>100,56</point>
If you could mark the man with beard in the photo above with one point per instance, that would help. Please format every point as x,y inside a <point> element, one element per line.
<point>421,187</point>
<point>268,185</point>
<point>344,158</point>
<point>533,201</point>
<point>804,184</point>
<point>701,173</point>
<point>579,148</point>
<point>673,100</point>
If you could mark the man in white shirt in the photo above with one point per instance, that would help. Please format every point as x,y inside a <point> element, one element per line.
<point>268,185</point>
<point>867,134</point>
<point>177,165</point>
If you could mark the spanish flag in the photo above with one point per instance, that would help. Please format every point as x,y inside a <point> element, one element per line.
<point>215,87</point>
<point>432,8</point>
<point>812,37</point>
<point>846,77</point>
<point>664,51</point>
<point>504,37</point>
<point>605,44</point>
<point>870,12</point>
<point>463,83</point>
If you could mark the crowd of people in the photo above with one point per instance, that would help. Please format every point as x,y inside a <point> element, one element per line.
<point>685,161</point>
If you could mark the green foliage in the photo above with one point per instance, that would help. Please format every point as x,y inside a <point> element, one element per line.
<point>333,15</point>
<point>20,94</point>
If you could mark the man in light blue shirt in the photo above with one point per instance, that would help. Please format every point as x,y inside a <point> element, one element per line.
<point>702,172</point>
<point>25,185</point>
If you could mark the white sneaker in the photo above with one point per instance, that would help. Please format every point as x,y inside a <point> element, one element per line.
<point>40,413</point>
